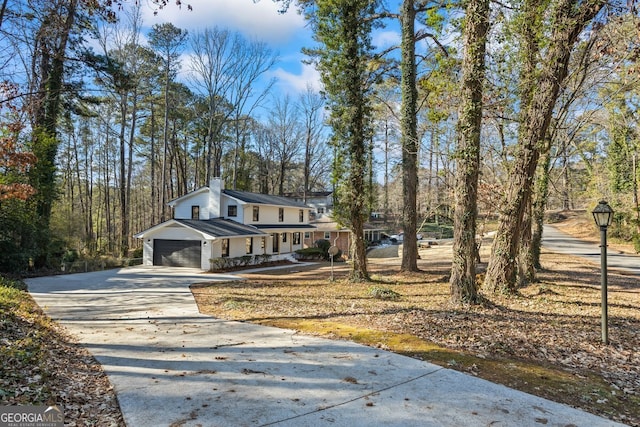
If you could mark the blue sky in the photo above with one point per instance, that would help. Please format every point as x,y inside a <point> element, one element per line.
<point>285,33</point>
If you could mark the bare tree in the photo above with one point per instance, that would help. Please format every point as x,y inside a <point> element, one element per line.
<point>225,70</point>
<point>167,40</point>
<point>287,135</point>
<point>315,165</point>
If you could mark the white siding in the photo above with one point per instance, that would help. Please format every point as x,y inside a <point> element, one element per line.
<point>271,215</point>
<point>224,206</point>
<point>183,208</point>
<point>214,205</point>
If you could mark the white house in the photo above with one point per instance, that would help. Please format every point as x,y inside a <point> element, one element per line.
<point>212,223</point>
<point>326,228</point>
<point>320,202</point>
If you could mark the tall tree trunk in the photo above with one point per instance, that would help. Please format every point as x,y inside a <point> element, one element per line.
<point>152,153</point>
<point>132,133</point>
<point>526,271</point>
<point>409,138</point>
<point>83,209</point>
<point>124,226</point>
<point>569,19</point>
<point>165,144</point>
<point>386,169</point>
<point>50,54</point>
<point>307,162</point>
<point>539,206</point>
<point>463,269</point>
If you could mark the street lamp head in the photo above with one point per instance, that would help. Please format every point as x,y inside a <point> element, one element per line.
<point>603,214</point>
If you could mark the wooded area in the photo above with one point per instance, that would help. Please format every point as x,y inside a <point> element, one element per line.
<point>484,110</point>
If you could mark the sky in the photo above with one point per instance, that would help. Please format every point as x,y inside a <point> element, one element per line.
<point>285,33</point>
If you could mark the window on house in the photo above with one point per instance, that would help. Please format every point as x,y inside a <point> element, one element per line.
<point>284,237</point>
<point>225,247</point>
<point>307,235</point>
<point>256,213</point>
<point>232,210</point>
<point>327,235</point>
<point>195,212</point>
<point>320,210</point>
<point>280,214</point>
<point>301,215</point>
<point>276,243</point>
<point>296,238</point>
<point>249,245</point>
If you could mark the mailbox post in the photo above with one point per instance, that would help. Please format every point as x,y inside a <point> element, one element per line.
<point>332,251</point>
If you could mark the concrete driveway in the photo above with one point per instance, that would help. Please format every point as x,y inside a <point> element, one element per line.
<point>171,366</point>
<point>555,240</point>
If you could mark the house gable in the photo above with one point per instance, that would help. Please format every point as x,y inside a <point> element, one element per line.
<point>183,206</point>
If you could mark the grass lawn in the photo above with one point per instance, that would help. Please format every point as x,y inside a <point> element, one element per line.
<point>545,341</point>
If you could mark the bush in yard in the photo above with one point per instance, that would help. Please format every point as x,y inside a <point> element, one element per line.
<point>383,293</point>
<point>71,255</point>
<point>320,251</point>
<point>13,260</point>
<point>11,283</point>
<point>225,263</point>
<point>310,254</point>
<point>323,245</point>
<point>137,253</point>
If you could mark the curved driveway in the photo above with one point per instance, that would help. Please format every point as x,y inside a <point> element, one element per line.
<point>555,240</point>
<point>171,366</point>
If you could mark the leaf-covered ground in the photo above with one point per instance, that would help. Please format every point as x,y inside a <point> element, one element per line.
<point>41,365</point>
<point>546,340</point>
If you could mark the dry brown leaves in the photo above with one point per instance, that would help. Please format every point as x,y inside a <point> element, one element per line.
<point>553,322</point>
<point>42,365</point>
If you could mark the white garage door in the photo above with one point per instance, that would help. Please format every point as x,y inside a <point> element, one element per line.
<point>177,253</point>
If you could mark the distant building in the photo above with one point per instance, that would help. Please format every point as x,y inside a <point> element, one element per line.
<point>321,204</point>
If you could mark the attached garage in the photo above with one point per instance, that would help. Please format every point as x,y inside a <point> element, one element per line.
<point>177,253</point>
<point>194,242</point>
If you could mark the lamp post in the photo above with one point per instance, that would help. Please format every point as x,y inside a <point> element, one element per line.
<point>603,215</point>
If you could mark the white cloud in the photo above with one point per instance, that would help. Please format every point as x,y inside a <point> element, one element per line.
<point>385,39</point>
<point>292,83</point>
<point>259,19</point>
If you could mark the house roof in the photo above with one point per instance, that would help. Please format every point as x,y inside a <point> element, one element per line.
<point>263,199</point>
<point>220,227</point>
<point>187,195</point>
<point>305,227</point>
<point>210,228</point>
<point>326,223</point>
<point>310,194</point>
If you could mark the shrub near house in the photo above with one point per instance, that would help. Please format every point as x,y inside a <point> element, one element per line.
<point>320,251</point>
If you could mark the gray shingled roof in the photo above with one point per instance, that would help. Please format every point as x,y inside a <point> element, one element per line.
<point>291,226</point>
<point>263,199</point>
<point>220,227</point>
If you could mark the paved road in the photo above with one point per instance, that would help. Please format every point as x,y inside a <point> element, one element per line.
<point>557,241</point>
<point>171,366</point>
